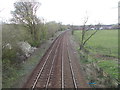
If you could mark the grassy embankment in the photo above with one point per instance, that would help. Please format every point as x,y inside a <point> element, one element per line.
<point>14,71</point>
<point>103,48</point>
<point>19,75</point>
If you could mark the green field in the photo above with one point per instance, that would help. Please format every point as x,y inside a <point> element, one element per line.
<point>104,48</point>
<point>104,42</point>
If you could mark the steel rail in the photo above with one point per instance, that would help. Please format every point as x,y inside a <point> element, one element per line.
<point>71,68</point>
<point>62,76</point>
<point>52,65</point>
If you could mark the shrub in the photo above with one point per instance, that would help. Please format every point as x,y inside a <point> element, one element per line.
<point>34,43</point>
<point>8,53</point>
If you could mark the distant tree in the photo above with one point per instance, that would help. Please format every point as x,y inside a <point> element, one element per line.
<point>52,28</point>
<point>25,14</point>
<point>85,37</point>
<point>72,29</point>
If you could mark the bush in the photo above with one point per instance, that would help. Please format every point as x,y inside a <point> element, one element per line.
<point>34,43</point>
<point>8,53</point>
<point>9,72</point>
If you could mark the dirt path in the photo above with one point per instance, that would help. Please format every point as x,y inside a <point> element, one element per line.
<point>59,67</point>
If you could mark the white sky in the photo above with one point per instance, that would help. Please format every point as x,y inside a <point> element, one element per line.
<point>71,11</point>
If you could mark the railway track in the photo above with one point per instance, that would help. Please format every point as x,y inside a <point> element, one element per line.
<point>71,72</point>
<point>55,69</point>
<point>62,67</point>
<point>44,67</point>
<point>71,68</point>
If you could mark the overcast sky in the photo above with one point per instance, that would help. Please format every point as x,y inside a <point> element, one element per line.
<point>71,11</point>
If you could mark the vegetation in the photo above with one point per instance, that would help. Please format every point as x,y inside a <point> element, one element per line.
<point>105,42</point>
<point>102,48</point>
<point>13,34</point>
<point>85,35</point>
<point>25,26</point>
<point>13,74</point>
<point>110,66</point>
<point>25,14</point>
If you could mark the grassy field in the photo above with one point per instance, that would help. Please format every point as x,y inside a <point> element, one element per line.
<point>104,42</point>
<point>104,48</point>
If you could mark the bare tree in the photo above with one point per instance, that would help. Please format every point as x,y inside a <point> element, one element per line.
<point>85,38</point>
<point>25,14</point>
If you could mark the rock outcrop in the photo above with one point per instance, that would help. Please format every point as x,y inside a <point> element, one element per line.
<point>26,48</point>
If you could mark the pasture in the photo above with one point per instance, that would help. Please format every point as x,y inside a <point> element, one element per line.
<point>103,47</point>
<point>104,42</point>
